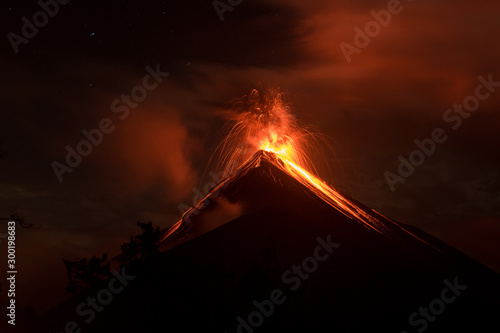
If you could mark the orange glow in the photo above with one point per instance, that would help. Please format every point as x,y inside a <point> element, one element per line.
<point>264,122</point>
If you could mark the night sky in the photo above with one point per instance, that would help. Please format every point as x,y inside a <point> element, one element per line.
<point>68,77</point>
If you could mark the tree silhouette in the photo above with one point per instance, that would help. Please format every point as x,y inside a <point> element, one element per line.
<point>143,247</point>
<point>87,274</point>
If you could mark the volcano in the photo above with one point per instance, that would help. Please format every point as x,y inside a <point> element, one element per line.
<point>268,251</point>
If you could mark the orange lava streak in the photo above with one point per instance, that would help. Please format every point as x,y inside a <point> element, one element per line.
<point>328,194</point>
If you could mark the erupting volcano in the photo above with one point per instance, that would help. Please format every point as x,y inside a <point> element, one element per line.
<point>272,248</point>
<point>267,128</point>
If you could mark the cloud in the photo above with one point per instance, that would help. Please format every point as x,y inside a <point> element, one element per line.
<point>148,149</point>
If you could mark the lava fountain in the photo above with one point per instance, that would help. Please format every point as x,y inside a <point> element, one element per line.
<point>265,122</point>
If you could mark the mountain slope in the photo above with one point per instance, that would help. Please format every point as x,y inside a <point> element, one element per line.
<point>329,265</point>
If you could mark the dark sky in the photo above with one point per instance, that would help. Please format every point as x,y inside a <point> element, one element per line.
<point>395,90</point>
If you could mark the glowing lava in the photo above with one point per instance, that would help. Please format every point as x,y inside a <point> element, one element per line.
<point>264,122</point>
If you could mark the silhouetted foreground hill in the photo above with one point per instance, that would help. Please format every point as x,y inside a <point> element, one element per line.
<point>265,253</point>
